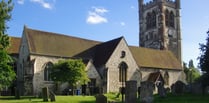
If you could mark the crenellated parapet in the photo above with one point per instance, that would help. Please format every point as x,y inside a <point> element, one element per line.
<point>152,3</point>
<point>170,3</point>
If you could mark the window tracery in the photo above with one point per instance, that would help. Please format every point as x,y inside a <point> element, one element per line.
<point>151,20</point>
<point>169,18</point>
<point>47,71</point>
<point>123,72</point>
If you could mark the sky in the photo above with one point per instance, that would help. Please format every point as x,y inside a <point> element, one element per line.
<point>104,20</point>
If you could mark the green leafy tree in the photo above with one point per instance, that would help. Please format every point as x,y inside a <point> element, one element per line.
<point>7,74</point>
<point>71,71</point>
<point>192,73</point>
<point>204,61</point>
<point>186,71</point>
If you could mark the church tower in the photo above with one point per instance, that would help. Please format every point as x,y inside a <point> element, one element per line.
<point>159,22</point>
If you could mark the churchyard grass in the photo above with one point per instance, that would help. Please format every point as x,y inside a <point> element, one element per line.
<point>59,99</point>
<point>186,98</point>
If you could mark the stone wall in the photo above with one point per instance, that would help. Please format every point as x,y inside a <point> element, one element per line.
<point>92,73</point>
<point>39,66</point>
<point>113,67</point>
<point>23,56</point>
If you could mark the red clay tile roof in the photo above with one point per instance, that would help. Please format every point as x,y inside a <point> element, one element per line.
<point>14,45</point>
<point>152,58</point>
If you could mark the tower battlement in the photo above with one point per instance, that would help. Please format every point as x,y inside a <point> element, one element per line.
<point>152,3</point>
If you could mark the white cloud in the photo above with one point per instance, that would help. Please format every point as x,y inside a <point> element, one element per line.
<point>122,23</point>
<point>100,10</point>
<point>96,16</point>
<point>44,3</point>
<point>20,1</point>
<point>132,7</point>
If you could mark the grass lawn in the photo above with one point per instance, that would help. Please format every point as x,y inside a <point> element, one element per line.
<point>59,99</point>
<point>187,98</point>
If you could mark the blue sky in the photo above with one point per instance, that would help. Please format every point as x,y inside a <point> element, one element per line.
<point>104,20</point>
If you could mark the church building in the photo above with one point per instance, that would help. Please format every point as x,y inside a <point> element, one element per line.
<point>108,64</point>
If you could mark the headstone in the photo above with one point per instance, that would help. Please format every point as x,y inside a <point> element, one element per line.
<point>161,90</point>
<point>178,88</point>
<point>84,89</point>
<point>207,90</point>
<point>146,92</point>
<point>196,88</point>
<point>52,96</point>
<point>101,99</point>
<point>45,94</point>
<point>167,90</point>
<point>17,93</point>
<point>131,92</point>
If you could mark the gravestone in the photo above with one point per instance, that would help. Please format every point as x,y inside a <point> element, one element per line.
<point>45,94</point>
<point>207,90</point>
<point>196,88</point>
<point>52,96</point>
<point>17,93</point>
<point>178,88</point>
<point>101,99</point>
<point>146,92</point>
<point>131,92</point>
<point>161,90</point>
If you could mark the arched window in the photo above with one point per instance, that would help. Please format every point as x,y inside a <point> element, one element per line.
<point>167,17</point>
<point>148,20</point>
<point>123,72</point>
<point>166,78</point>
<point>47,71</point>
<point>153,19</point>
<point>171,19</point>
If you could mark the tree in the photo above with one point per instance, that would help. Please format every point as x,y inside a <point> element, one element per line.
<point>204,61</point>
<point>7,74</point>
<point>191,64</point>
<point>186,71</point>
<point>192,73</point>
<point>71,71</point>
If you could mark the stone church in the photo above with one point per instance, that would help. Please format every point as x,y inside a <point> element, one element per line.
<point>108,64</point>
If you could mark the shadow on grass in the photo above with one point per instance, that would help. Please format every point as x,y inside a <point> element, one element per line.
<point>30,98</point>
<point>87,102</point>
<point>13,98</point>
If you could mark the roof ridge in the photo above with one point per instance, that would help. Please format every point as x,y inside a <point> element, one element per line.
<point>60,34</point>
<point>113,40</point>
